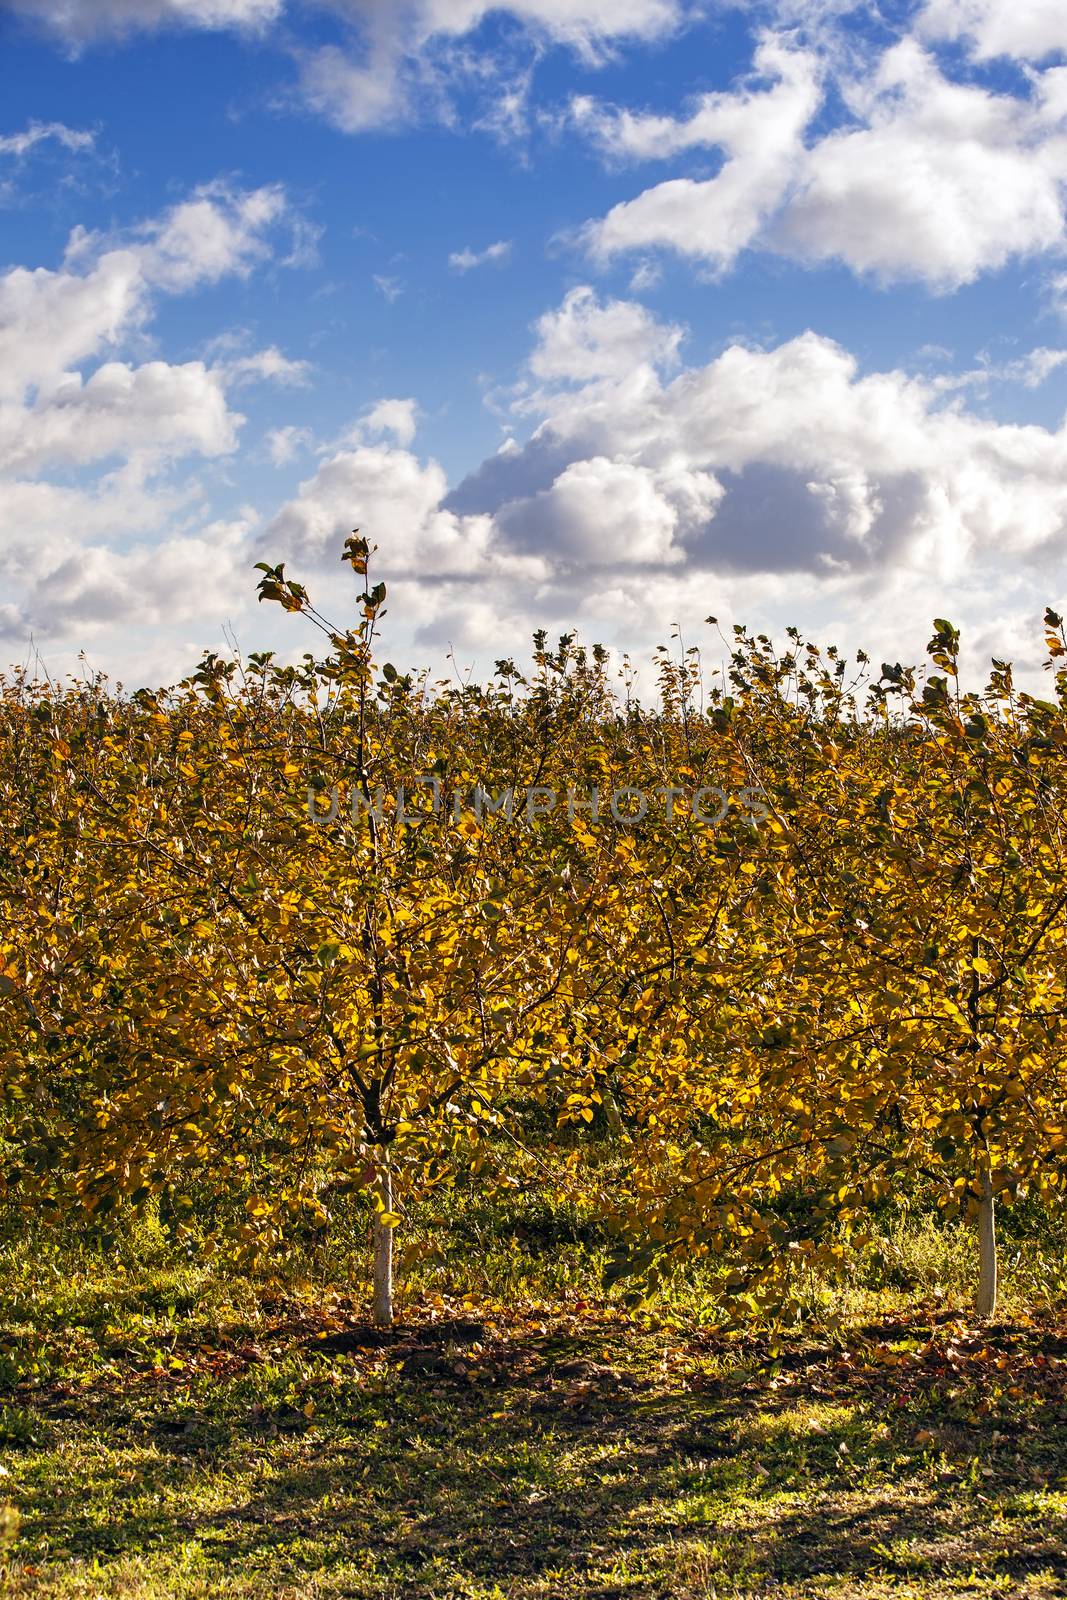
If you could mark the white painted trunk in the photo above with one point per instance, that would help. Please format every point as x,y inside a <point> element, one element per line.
<point>382,1303</point>
<point>987,1251</point>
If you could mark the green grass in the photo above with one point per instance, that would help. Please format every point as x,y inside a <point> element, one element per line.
<point>170,1431</point>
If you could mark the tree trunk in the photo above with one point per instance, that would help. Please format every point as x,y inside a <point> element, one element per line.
<point>987,1251</point>
<point>382,1302</point>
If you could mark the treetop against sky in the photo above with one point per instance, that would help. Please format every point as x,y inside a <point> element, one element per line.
<point>592,313</point>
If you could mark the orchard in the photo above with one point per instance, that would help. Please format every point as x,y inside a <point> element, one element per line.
<point>442,1029</point>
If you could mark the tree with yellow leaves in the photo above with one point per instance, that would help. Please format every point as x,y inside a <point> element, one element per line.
<point>905,1014</point>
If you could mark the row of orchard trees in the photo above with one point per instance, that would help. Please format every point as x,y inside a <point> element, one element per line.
<point>899,1006</point>
<point>817,946</point>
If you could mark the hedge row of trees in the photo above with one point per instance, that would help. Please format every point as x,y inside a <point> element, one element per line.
<point>815,949</point>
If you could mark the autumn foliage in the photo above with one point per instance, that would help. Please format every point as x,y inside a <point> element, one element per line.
<point>241,973</point>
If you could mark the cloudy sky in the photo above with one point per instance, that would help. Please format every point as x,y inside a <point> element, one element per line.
<point>606,314</point>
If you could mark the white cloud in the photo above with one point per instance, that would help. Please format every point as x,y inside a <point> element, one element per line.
<point>95,588</point>
<point>780,481</point>
<point>285,444</point>
<point>599,513</point>
<point>389,288</point>
<point>759,128</point>
<point>725,120</point>
<point>69,404</point>
<point>219,232</point>
<point>402,58</point>
<point>781,461</point>
<point>355,93</point>
<point>584,24</point>
<point>399,60</point>
<point>1039,366</point>
<point>508,118</point>
<point>45,520</point>
<point>265,366</point>
<point>156,409</point>
<point>79,21</point>
<point>942,181</point>
<point>587,338</point>
<point>1030,370</point>
<point>1028,30</point>
<point>928,178</point>
<point>379,487</point>
<point>646,275</point>
<point>20,144</point>
<point>52,320</point>
<point>493,255</point>
<point>398,417</point>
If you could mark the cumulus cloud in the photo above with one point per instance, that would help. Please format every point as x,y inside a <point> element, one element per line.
<point>51,320</point>
<point>1029,30</point>
<point>218,232</point>
<point>759,128</point>
<point>398,417</point>
<point>586,338</point>
<point>94,588</point>
<point>791,459</point>
<point>781,99</point>
<point>368,85</point>
<point>928,177</point>
<point>120,410</point>
<point>71,405</point>
<point>600,513</point>
<point>380,487</point>
<point>648,489</point>
<point>941,181</point>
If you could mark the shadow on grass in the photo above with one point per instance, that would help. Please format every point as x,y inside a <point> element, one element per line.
<point>452,1459</point>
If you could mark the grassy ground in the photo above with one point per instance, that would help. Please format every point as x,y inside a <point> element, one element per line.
<point>168,1432</point>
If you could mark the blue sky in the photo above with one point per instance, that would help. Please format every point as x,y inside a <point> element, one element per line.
<point>591,314</point>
